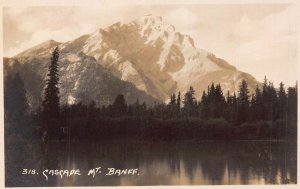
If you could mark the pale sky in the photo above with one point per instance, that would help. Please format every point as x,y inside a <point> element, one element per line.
<point>260,39</point>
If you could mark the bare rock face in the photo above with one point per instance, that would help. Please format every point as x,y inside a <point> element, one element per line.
<point>145,59</point>
<point>82,79</point>
<point>160,61</point>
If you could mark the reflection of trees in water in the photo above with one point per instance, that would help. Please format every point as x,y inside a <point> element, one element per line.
<point>262,159</point>
<point>51,154</point>
<point>25,154</point>
<point>159,163</point>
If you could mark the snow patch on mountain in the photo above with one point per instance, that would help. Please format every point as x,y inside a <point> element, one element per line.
<point>146,52</point>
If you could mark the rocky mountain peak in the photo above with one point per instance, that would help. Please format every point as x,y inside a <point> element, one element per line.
<point>148,53</point>
<point>40,49</point>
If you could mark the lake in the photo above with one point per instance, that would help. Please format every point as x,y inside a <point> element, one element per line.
<point>155,163</point>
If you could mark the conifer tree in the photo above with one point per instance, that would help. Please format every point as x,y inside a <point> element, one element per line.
<point>119,106</point>
<point>219,102</point>
<point>265,99</point>
<point>51,97</point>
<point>172,106</point>
<point>282,102</point>
<point>243,102</point>
<point>204,106</point>
<point>235,109</point>
<point>292,102</point>
<point>189,102</point>
<point>229,109</point>
<point>257,105</point>
<point>178,103</point>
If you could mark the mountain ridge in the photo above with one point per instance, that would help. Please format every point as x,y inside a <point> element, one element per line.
<point>151,55</point>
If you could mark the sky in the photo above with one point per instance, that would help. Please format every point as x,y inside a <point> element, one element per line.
<point>260,39</point>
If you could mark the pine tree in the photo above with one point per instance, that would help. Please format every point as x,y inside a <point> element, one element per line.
<point>172,106</point>
<point>282,102</point>
<point>243,102</point>
<point>204,106</point>
<point>219,102</point>
<point>213,104</point>
<point>189,102</point>
<point>265,99</point>
<point>178,103</point>
<point>51,98</point>
<point>119,106</point>
<point>292,102</point>
<point>257,105</point>
<point>211,101</point>
<point>252,105</point>
<point>235,109</point>
<point>273,102</point>
<point>228,107</point>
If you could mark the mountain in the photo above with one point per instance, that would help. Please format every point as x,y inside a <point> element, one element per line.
<point>158,60</point>
<point>82,79</point>
<point>146,52</point>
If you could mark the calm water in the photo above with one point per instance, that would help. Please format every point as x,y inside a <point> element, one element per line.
<point>188,163</point>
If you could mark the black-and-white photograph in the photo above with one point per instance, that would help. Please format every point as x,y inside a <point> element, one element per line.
<point>131,94</point>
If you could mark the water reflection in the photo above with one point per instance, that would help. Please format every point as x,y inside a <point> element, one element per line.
<point>189,163</point>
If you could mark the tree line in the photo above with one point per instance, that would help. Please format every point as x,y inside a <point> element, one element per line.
<point>268,113</point>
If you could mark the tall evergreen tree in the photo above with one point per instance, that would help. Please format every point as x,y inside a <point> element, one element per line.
<point>252,105</point>
<point>265,99</point>
<point>189,103</point>
<point>204,106</point>
<point>235,109</point>
<point>51,97</point>
<point>292,102</point>
<point>243,102</point>
<point>229,108</point>
<point>211,101</point>
<point>213,104</point>
<point>172,106</point>
<point>257,105</point>
<point>273,102</point>
<point>219,102</point>
<point>282,102</point>
<point>178,103</point>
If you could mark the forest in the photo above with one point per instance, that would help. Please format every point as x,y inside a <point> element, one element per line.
<point>268,114</point>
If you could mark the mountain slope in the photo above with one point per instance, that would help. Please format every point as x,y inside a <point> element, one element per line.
<point>82,80</point>
<point>146,52</point>
<point>158,60</point>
